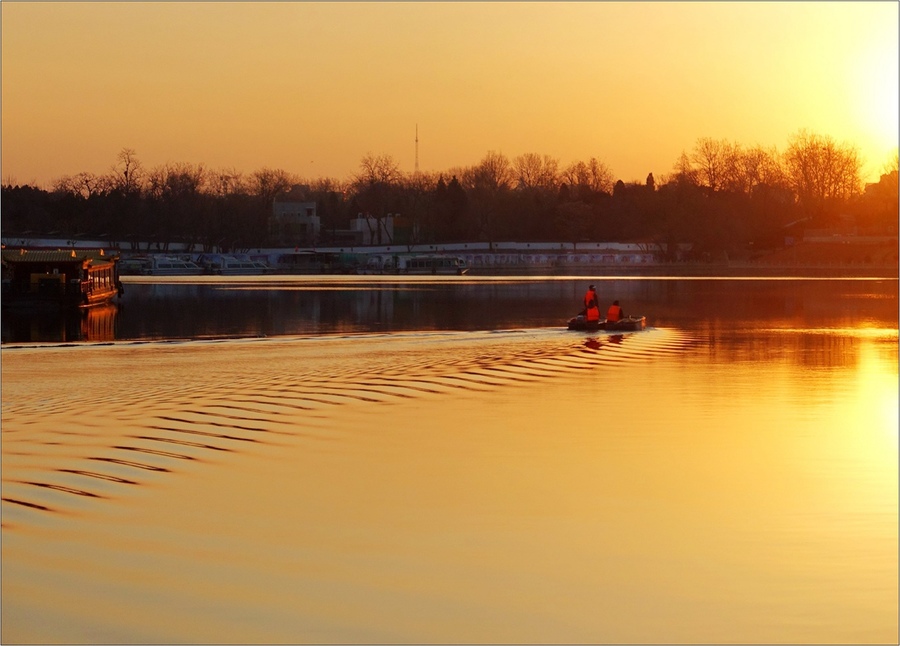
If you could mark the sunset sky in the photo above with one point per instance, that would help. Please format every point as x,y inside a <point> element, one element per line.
<point>311,88</point>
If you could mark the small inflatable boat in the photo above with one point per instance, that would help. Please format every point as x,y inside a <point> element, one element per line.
<point>627,324</point>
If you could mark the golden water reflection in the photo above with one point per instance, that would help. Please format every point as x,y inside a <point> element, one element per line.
<point>464,487</point>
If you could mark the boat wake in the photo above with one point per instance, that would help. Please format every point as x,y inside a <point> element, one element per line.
<point>135,412</point>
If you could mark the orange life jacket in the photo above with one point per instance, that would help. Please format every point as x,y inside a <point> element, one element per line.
<point>593,313</point>
<point>590,295</point>
<point>614,313</point>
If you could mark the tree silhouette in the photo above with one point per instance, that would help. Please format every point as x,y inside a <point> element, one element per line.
<point>719,197</point>
<point>822,173</point>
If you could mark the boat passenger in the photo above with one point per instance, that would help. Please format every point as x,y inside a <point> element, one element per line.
<point>592,312</point>
<point>614,313</point>
<point>590,295</point>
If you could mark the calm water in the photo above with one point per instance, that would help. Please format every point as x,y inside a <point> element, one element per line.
<point>347,460</point>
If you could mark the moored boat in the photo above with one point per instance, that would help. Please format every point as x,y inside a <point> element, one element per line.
<point>627,324</point>
<point>61,278</point>
<point>158,265</point>
<point>172,266</point>
<point>418,264</point>
<point>433,264</point>
<point>231,265</point>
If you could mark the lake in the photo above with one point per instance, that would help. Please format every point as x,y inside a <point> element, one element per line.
<point>337,459</point>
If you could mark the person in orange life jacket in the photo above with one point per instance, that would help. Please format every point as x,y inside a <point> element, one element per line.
<point>590,295</point>
<point>614,313</point>
<point>592,312</point>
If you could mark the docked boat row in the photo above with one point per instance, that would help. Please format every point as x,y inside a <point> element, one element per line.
<point>159,266</point>
<point>210,264</point>
<point>299,262</point>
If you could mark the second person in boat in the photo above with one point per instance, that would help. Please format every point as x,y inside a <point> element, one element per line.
<point>614,313</point>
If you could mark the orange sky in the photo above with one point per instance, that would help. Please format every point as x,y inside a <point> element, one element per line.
<point>313,87</point>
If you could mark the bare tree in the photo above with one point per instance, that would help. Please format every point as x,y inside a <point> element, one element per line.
<point>266,183</point>
<point>891,165</point>
<point>711,159</point>
<point>328,185</point>
<point>374,169</point>
<point>734,172</point>
<point>85,185</point>
<point>175,192</point>
<point>377,187</point>
<point>822,173</point>
<point>761,167</point>
<point>226,181</point>
<point>175,180</point>
<point>487,185</point>
<point>492,173</point>
<point>683,172</point>
<point>591,177</point>
<point>418,200</point>
<point>127,172</point>
<point>576,176</point>
<point>534,171</point>
<point>602,178</point>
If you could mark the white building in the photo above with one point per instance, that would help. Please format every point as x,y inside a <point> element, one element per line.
<point>294,222</point>
<point>372,230</point>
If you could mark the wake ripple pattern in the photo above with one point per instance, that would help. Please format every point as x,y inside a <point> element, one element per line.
<point>192,405</point>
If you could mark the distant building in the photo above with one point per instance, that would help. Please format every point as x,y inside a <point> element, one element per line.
<point>294,222</point>
<point>373,230</point>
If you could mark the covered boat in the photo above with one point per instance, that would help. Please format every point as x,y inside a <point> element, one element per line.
<point>421,264</point>
<point>230,265</point>
<point>627,324</point>
<point>62,278</point>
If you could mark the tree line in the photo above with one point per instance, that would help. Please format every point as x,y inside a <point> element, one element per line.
<point>720,196</point>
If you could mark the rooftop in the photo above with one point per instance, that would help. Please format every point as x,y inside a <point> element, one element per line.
<point>23,255</point>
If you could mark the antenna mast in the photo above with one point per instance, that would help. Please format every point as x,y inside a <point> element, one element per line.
<point>417,149</point>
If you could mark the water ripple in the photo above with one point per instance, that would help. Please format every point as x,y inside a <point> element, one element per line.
<point>60,446</point>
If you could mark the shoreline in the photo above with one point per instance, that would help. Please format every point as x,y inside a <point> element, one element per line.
<point>808,259</point>
<point>698,270</point>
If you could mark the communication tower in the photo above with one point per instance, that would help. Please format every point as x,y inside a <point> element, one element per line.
<point>417,149</point>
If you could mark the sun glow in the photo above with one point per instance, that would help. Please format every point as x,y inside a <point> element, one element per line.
<point>875,74</point>
<point>878,391</point>
<point>886,403</point>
